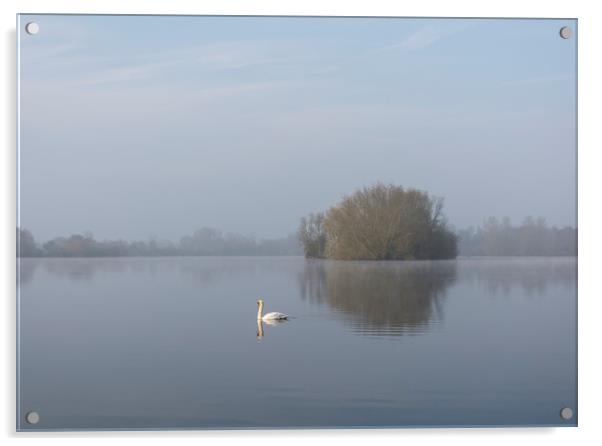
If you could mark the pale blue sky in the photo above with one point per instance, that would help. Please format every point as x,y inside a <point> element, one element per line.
<point>154,126</point>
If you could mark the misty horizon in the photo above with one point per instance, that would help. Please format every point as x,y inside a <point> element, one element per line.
<point>493,237</point>
<point>251,235</point>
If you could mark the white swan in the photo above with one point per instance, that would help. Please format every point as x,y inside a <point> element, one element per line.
<point>275,316</point>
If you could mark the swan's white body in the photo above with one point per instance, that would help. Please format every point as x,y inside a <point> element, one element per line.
<point>274,316</point>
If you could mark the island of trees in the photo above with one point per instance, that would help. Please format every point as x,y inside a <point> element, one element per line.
<point>381,222</point>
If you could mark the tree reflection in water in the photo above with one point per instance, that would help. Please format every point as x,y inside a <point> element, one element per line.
<point>379,298</point>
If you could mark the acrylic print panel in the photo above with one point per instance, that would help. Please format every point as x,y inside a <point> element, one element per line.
<point>403,189</point>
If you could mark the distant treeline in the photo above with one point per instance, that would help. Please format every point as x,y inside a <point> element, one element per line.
<point>203,242</point>
<point>532,238</point>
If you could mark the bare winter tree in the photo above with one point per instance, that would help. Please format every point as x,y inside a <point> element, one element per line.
<point>387,222</point>
<point>312,236</point>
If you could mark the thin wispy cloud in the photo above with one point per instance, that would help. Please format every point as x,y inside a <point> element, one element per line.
<point>540,79</point>
<point>424,37</point>
<point>212,57</point>
<point>121,74</point>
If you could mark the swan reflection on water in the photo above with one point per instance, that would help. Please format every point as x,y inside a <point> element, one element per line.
<point>272,322</point>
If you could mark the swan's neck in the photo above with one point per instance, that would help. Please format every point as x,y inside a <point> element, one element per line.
<point>260,311</point>
<point>259,329</point>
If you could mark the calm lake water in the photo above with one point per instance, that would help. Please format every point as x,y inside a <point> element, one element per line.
<point>137,343</point>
